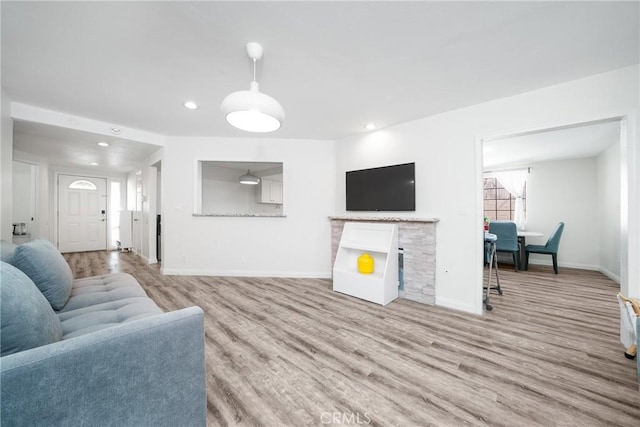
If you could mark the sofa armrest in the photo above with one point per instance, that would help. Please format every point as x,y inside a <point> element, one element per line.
<point>146,372</point>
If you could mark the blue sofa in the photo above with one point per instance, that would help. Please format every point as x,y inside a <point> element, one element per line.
<point>93,351</point>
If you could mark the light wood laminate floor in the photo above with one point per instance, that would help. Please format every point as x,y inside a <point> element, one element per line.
<point>291,352</point>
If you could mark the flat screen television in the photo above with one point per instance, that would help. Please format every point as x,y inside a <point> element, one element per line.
<point>388,188</point>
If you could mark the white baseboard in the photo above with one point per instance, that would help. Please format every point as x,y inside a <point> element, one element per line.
<point>566,265</point>
<point>244,273</point>
<point>148,260</point>
<point>610,275</point>
<point>456,305</point>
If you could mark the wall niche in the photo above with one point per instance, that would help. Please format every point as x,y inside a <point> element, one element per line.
<point>222,193</point>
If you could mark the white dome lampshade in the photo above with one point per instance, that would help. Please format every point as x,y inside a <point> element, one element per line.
<point>249,178</point>
<point>250,110</point>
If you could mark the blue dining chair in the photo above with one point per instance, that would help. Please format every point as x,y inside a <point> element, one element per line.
<point>550,248</point>
<point>507,233</point>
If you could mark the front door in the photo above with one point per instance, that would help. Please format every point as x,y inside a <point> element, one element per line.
<point>82,213</point>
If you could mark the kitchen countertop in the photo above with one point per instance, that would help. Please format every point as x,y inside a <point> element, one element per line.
<point>231,215</point>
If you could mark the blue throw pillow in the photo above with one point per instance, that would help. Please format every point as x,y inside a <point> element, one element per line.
<point>26,318</point>
<point>46,266</point>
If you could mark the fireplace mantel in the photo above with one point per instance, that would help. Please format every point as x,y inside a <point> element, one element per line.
<point>382,218</point>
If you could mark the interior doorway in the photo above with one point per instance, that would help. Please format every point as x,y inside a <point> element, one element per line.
<point>576,175</point>
<point>25,219</point>
<point>82,213</point>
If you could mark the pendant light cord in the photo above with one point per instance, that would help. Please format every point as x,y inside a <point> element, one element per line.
<point>254,69</point>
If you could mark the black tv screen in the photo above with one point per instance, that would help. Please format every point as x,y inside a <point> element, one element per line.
<point>388,188</point>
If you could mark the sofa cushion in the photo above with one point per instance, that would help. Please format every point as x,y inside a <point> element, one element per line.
<point>7,251</point>
<point>101,302</point>
<point>106,315</point>
<point>96,290</point>
<point>26,318</point>
<point>44,264</point>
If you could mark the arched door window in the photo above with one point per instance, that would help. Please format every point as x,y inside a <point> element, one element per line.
<point>83,184</point>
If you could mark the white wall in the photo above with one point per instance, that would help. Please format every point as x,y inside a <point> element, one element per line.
<point>44,216</point>
<point>150,182</point>
<point>567,191</point>
<point>630,203</point>
<point>23,193</point>
<point>447,151</point>
<point>296,245</point>
<point>609,211</point>
<point>6,160</point>
<point>159,185</point>
<point>131,191</point>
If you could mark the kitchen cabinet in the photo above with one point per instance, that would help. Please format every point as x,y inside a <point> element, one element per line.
<point>269,191</point>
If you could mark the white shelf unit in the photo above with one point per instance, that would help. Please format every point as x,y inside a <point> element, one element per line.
<point>381,242</point>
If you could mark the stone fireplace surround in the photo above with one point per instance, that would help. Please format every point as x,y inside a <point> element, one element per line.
<point>417,237</point>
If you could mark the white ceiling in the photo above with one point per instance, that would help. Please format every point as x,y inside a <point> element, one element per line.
<point>73,148</point>
<point>573,142</point>
<point>334,66</point>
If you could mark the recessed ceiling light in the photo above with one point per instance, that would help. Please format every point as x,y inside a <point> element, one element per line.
<point>115,131</point>
<point>190,105</point>
<point>103,144</point>
<point>93,163</point>
<point>370,126</point>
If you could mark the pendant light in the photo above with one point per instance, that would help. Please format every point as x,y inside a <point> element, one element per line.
<point>249,179</point>
<point>251,110</point>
